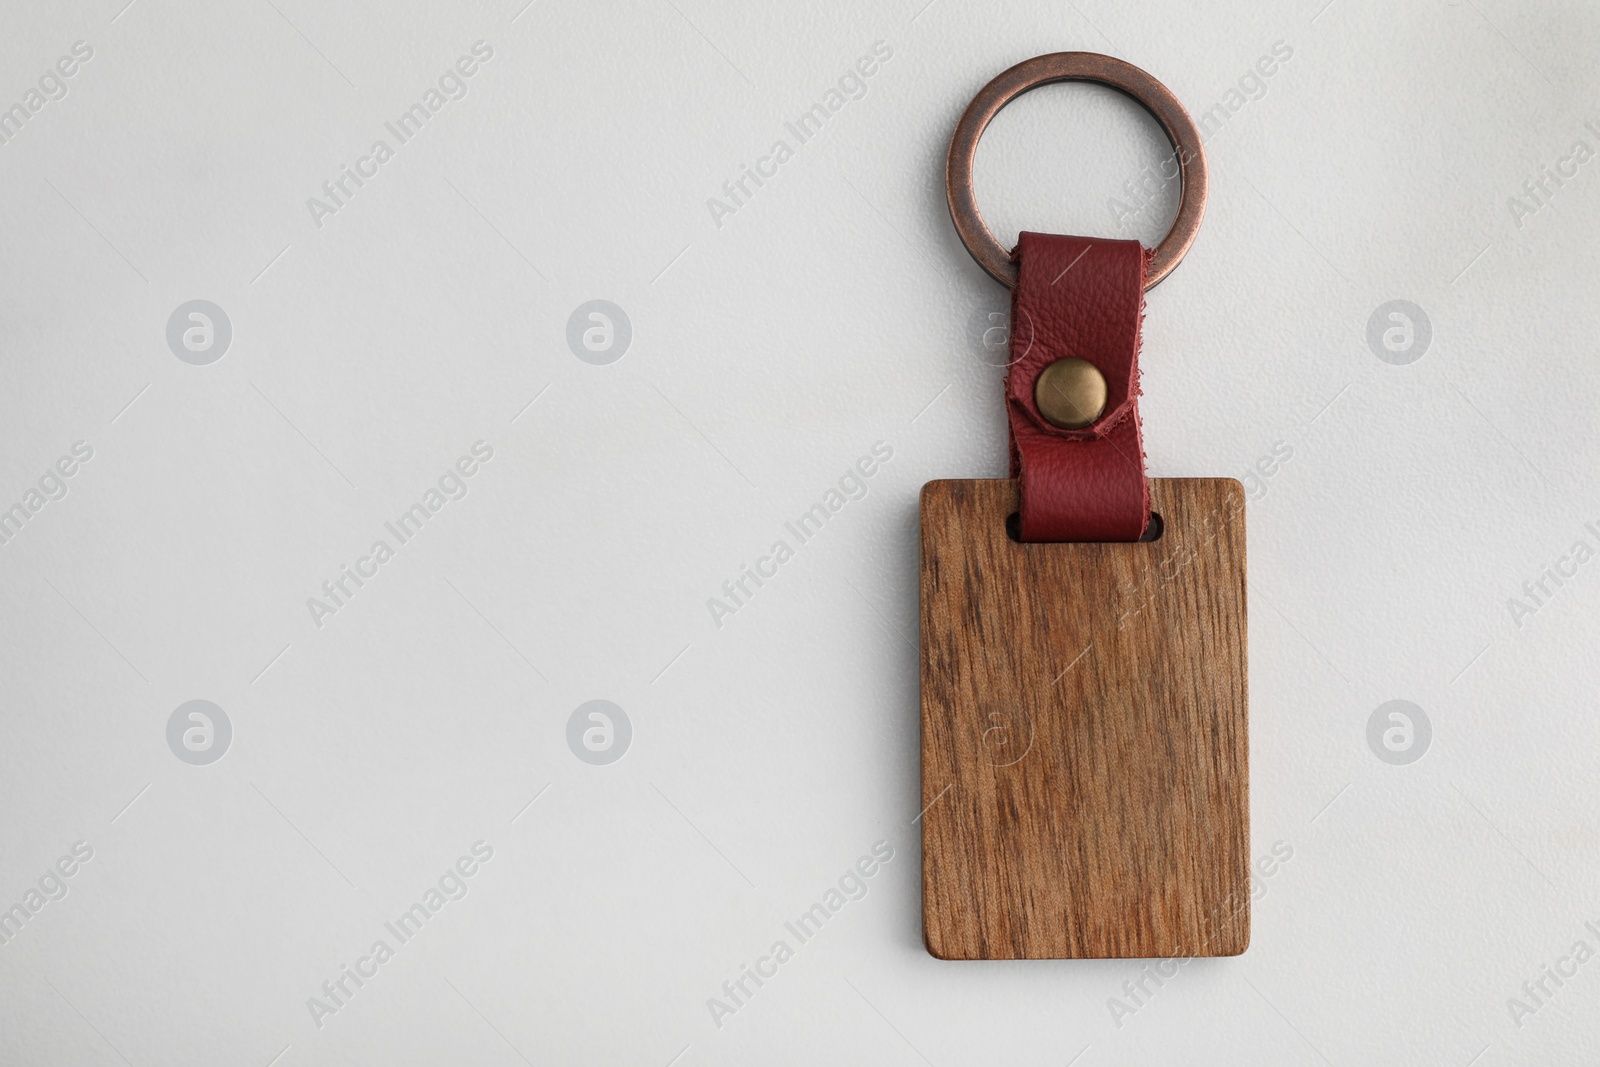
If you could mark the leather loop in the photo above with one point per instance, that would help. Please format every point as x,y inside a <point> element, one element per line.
<point>1078,297</point>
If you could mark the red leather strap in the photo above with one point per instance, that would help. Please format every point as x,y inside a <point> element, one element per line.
<point>1078,297</point>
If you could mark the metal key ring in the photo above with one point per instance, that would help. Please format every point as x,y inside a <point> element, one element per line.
<point>1126,78</point>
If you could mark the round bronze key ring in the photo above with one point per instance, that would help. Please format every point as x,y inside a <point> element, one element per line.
<point>1075,66</point>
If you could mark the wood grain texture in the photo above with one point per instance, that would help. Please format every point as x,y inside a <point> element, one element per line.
<point>1084,732</point>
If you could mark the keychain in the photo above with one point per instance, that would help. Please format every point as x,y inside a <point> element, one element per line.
<point>1084,723</point>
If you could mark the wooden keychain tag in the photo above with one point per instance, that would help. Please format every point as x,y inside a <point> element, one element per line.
<point>1084,697</point>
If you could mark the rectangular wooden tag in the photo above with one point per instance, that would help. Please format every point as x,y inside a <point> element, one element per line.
<point>1084,732</point>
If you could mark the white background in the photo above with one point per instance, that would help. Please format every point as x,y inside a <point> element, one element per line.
<point>833,310</point>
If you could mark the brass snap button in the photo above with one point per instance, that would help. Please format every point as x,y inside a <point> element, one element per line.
<point>1070,393</point>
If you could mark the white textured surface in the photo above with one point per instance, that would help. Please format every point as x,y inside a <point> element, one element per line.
<point>835,309</point>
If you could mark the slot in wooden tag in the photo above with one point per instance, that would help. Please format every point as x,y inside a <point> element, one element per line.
<point>1084,732</point>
